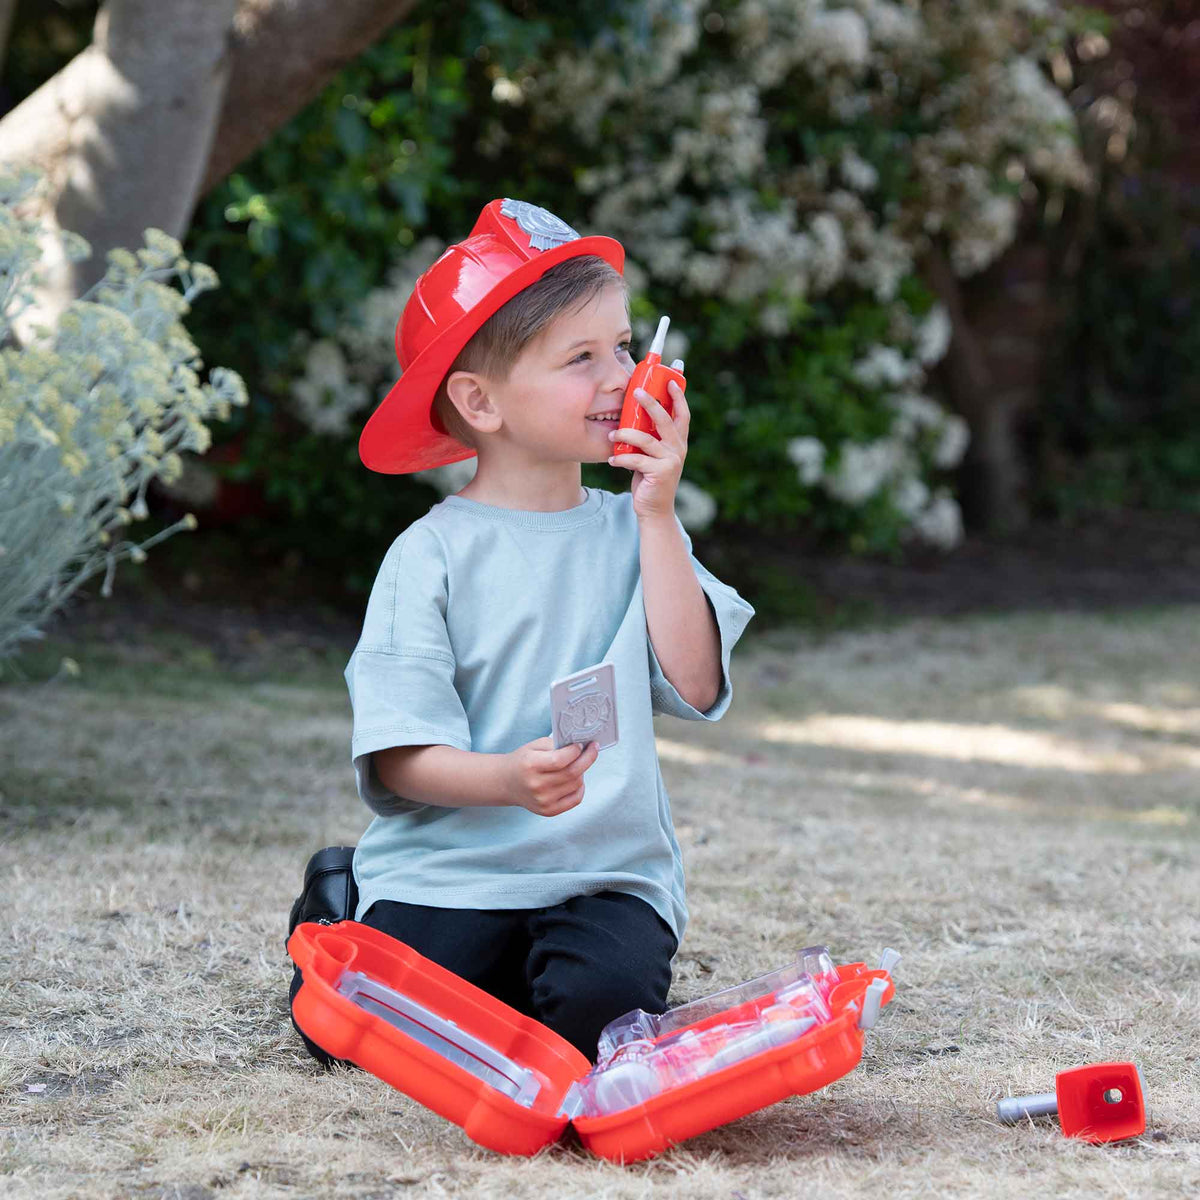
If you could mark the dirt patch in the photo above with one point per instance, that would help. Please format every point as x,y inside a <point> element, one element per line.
<point>47,1086</point>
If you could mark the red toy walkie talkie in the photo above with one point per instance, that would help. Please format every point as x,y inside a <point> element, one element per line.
<point>651,375</point>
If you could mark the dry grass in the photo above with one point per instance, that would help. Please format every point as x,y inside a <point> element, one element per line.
<point>1012,802</point>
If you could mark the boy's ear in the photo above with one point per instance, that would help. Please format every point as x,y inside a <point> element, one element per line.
<point>468,393</point>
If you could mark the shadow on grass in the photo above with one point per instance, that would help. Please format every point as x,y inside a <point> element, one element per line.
<point>176,663</point>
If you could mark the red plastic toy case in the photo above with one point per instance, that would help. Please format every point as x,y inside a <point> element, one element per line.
<point>513,1084</point>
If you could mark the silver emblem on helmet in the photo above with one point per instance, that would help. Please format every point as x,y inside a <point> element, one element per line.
<point>545,229</point>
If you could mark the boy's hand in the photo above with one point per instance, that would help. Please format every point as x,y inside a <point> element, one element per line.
<point>657,470</point>
<point>548,781</point>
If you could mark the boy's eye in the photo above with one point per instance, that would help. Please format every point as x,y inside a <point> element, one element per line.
<point>584,355</point>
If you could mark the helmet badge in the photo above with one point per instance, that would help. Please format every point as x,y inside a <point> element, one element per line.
<point>545,229</point>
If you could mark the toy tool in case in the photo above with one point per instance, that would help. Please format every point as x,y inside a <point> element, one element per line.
<point>513,1084</point>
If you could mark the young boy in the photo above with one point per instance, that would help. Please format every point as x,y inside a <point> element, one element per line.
<point>550,878</point>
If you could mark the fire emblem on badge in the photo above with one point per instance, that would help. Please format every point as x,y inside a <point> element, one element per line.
<point>584,717</point>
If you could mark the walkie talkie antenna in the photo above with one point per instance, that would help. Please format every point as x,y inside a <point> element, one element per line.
<point>660,337</point>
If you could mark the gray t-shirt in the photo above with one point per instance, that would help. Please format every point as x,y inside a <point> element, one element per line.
<point>475,611</point>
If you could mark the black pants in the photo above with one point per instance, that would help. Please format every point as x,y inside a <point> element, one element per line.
<point>574,966</point>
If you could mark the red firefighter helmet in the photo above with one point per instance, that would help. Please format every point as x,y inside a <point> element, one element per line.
<point>512,245</point>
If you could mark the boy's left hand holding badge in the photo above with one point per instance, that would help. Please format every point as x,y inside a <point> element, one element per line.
<point>659,467</point>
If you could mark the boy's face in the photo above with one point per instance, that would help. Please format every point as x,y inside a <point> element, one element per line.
<point>572,373</point>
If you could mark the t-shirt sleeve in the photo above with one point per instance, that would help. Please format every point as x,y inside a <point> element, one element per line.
<point>733,615</point>
<point>401,674</point>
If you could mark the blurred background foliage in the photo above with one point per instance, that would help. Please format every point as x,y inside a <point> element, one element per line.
<point>390,155</point>
<point>1118,425</point>
<point>306,228</point>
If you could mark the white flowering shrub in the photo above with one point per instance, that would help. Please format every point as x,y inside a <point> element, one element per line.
<point>91,411</point>
<point>777,170</point>
<point>796,144</point>
<point>342,374</point>
<point>773,164</point>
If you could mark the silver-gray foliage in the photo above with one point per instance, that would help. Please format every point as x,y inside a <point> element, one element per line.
<point>91,411</point>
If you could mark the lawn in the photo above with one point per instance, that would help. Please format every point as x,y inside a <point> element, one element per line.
<point>1010,801</point>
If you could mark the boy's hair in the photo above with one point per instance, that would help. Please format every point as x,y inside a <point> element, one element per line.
<point>498,342</point>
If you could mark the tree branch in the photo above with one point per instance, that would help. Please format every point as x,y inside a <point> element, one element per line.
<point>284,52</point>
<point>8,9</point>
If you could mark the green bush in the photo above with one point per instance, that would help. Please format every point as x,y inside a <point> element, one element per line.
<point>806,384</point>
<point>775,169</point>
<point>309,225</point>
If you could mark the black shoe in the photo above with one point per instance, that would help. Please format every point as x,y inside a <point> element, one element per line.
<point>326,1060</point>
<point>330,893</point>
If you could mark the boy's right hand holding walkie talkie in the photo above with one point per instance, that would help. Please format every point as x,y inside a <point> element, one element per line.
<point>652,377</point>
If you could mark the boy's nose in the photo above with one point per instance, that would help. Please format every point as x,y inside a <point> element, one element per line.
<point>619,377</point>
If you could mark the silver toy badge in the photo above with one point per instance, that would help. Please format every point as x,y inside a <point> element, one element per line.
<point>545,229</point>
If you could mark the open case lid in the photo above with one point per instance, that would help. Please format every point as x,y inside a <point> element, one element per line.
<point>448,1044</point>
<point>513,1084</point>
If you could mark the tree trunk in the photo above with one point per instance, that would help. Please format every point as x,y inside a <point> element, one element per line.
<point>993,372</point>
<point>167,99</point>
<point>284,53</point>
<point>123,132</point>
